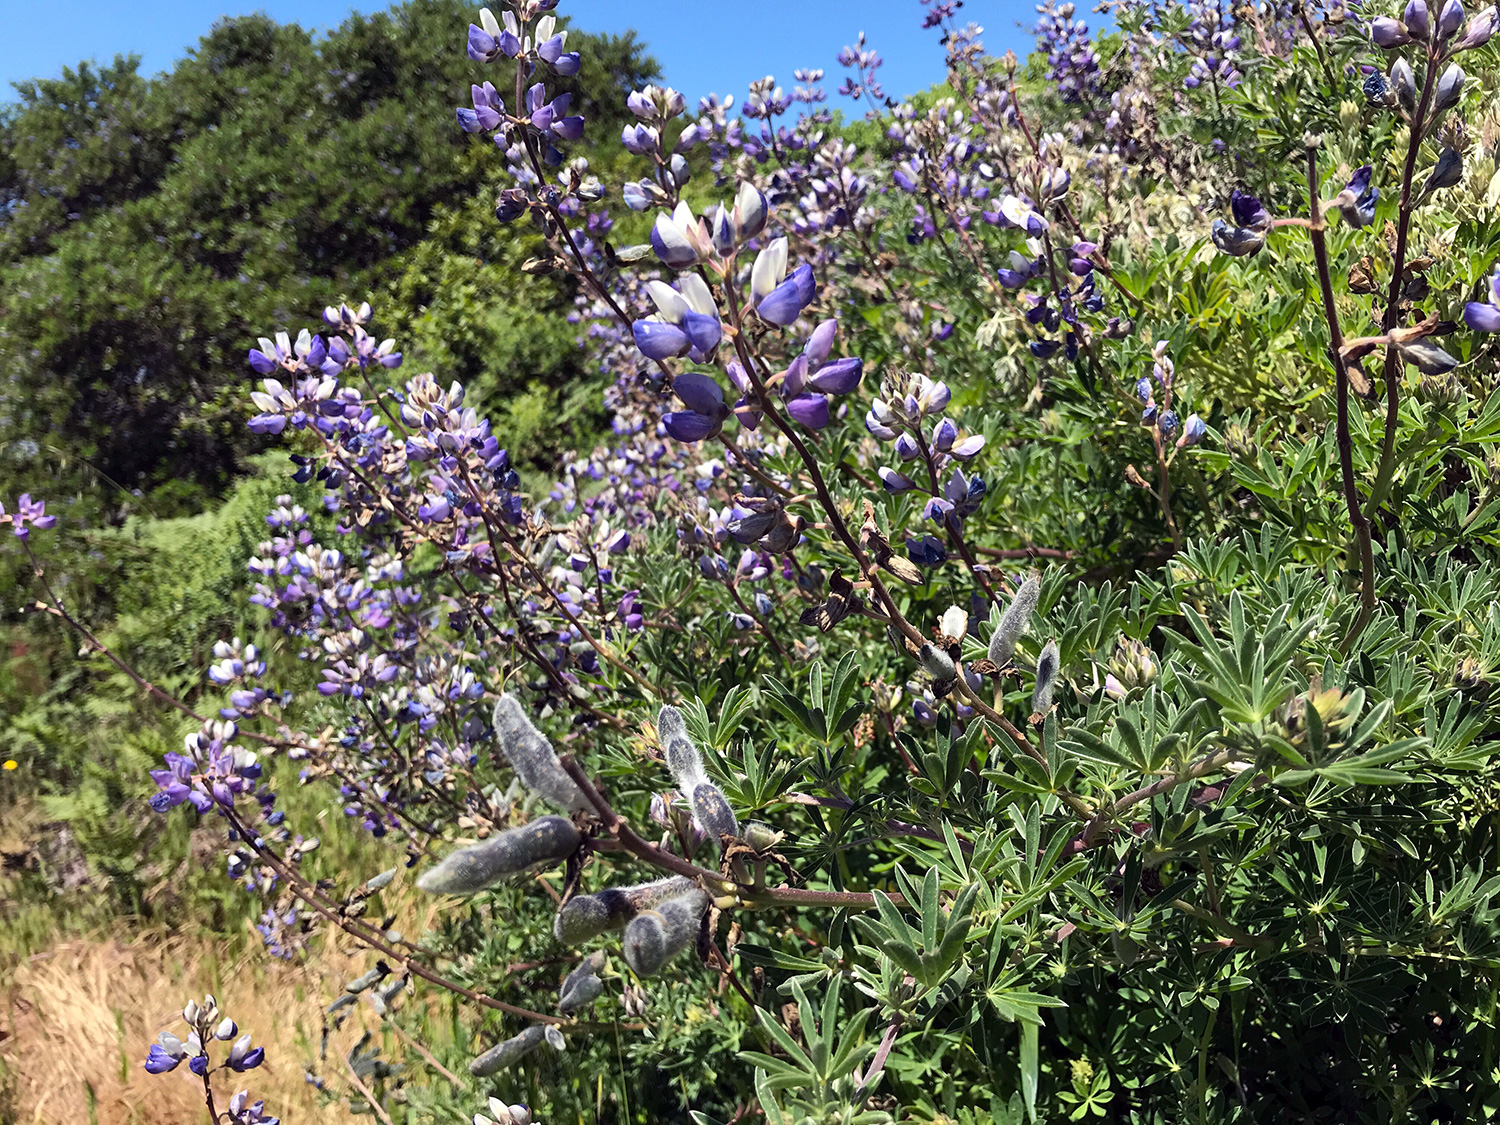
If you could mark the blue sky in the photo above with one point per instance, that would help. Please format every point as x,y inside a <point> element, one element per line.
<point>702,46</point>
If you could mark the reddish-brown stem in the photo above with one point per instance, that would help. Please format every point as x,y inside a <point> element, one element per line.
<point>1357,518</point>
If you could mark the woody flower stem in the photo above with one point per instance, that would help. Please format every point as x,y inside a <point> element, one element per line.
<point>1392,371</point>
<point>632,842</point>
<point>366,935</point>
<point>1357,518</point>
<point>208,1099</point>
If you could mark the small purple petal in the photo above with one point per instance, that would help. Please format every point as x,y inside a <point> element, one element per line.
<point>810,410</point>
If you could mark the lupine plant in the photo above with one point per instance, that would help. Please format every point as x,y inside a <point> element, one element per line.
<point>1026,648</point>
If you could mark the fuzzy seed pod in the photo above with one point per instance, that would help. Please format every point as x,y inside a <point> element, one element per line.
<point>533,758</point>
<point>937,664</point>
<point>683,759</point>
<point>1014,620</point>
<point>586,916</point>
<point>390,991</point>
<point>761,837</point>
<point>711,812</point>
<point>656,936</point>
<point>509,1053</point>
<point>541,843</point>
<point>369,980</point>
<point>342,1002</point>
<point>582,986</point>
<point>380,881</point>
<point>1046,679</point>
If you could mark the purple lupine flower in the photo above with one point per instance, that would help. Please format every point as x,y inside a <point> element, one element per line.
<point>1450,88</point>
<point>1484,316</point>
<point>705,411</point>
<point>1020,272</point>
<point>784,304</point>
<point>549,47</point>
<point>165,1055</point>
<point>689,320</point>
<point>895,481</point>
<point>488,113</point>
<point>27,511</point>
<point>809,409</point>
<point>681,238</point>
<point>488,41</point>
<point>243,1057</point>
<point>964,494</point>
<point>1251,224</point>
<point>1356,203</point>
<point>252,1114</point>
<point>552,116</point>
<point>926,551</point>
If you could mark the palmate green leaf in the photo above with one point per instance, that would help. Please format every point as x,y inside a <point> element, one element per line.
<point>797,1056</point>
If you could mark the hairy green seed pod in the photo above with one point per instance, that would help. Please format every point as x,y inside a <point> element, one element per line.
<point>582,986</point>
<point>656,936</point>
<point>380,881</point>
<point>542,843</point>
<point>937,664</point>
<point>533,758</point>
<point>760,836</point>
<point>342,1002</point>
<point>579,995</point>
<point>586,916</point>
<point>1046,679</point>
<point>509,1053</point>
<point>711,812</point>
<point>369,980</point>
<point>683,760</point>
<point>1014,620</point>
<point>388,992</point>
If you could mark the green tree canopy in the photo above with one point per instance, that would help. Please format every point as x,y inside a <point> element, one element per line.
<point>151,228</point>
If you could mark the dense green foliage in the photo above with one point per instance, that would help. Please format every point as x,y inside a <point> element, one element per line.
<point>151,228</point>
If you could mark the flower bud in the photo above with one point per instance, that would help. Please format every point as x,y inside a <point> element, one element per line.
<point>1450,19</point>
<point>543,842</point>
<point>1416,19</point>
<point>1479,31</point>
<point>1450,88</point>
<point>226,1030</point>
<point>1014,620</point>
<point>509,1053</point>
<point>1404,83</point>
<point>655,937</point>
<point>533,758</point>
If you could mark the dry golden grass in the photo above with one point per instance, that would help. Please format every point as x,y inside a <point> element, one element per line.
<point>81,1016</point>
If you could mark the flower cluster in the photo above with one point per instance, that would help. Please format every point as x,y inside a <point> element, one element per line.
<point>28,511</point>
<point>206,1026</point>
